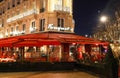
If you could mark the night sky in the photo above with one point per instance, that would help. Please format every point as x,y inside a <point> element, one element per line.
<point>86,14</point>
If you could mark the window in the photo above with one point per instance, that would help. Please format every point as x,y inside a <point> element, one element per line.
<point>42,5</point>
<point>60,22</point>
<point>16,31</point>
<point>16,28</point>
<point>18,1</point>
<point>33,28</point>
<point>67,6</point>
<point>8,5</point>
<point>23,28</point>
<point>58,5</point>
<point>2,22</point>
<point>13,3</point>
<point>59,2</point>
<point>42,23</point>
<point>11,33</point>
<point>6,34</point>
<point>33,24</point>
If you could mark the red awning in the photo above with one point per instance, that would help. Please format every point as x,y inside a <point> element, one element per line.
<point>36,43</point>
<point>7,42</point>
<point>45,38</point>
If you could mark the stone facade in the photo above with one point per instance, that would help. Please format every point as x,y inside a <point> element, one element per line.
<point>18,17</point>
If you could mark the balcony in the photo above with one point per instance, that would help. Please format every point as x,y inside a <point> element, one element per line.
<point>33,11</point>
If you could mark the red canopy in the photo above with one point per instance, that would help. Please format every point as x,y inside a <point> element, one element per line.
<point>45,38</point>
<point>36,43</point>
<point>7,42</point>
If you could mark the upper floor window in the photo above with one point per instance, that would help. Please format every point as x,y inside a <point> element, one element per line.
<point>6,34</point>
<point>2,22</point>
<point>11,33</point>
<point>60,22</point>
<point>16,31</point>
<point>42,24</point>
<point>13,3</point>
<point>23,28</point>
<point>33,24</point>
<point>58,5</point>
<point>17,28</point>
<point>42,5</point>
<point>18,1</point>
<point>3,10</point>
<point>8,5</point>
<point>32,28</point>
<point>59,2</point>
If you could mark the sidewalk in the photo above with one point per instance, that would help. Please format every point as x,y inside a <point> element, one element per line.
<point>50,74</point>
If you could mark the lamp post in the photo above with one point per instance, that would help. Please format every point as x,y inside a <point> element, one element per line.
<point>103,19</point>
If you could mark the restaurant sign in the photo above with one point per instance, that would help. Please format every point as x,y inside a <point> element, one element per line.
<point>52,27</point>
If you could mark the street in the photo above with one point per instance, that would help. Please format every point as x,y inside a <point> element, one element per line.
<point>50,74</point>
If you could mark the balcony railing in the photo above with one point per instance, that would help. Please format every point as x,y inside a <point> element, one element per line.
<point>33,11</point>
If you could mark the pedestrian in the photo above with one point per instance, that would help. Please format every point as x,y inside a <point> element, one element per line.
<point>111,64</point>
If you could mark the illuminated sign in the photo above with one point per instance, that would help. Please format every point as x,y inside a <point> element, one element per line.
<point>33,11</point>
<point>52,27</point>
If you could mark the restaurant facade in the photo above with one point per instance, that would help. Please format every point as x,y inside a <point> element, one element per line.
<point>43,31</point>
<point>52,47</point>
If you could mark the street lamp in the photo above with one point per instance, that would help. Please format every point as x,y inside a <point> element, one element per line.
<point>103,19</point>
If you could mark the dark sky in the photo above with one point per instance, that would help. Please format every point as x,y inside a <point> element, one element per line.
<point>86,14</point>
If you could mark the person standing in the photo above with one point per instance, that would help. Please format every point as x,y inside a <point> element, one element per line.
<point>111,64</point>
